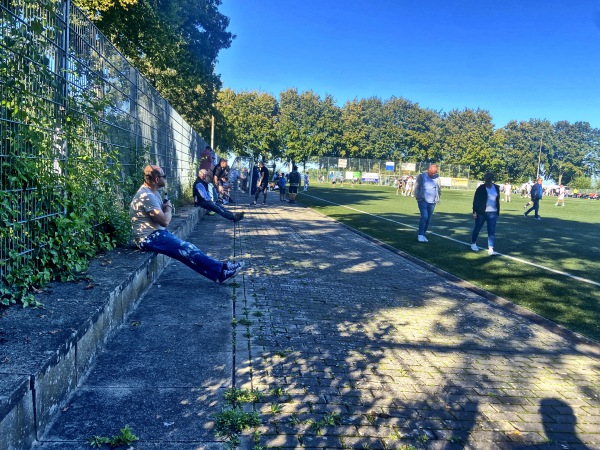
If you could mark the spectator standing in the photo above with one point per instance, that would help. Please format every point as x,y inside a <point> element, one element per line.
<point>281,181</point>
<point>409,187</point>
<point>206,158</point>
<point>243,180</point>
<point>294,183</point>
<point>427,193</point>
<point>507,191</point>
<point>221,180</point>
<point>486,208</point>
<point>262,185</point>
<point>306,182</point>
<point>536,194</point>
<point>254,180</point>
<point>150,217</point>
<point>561,196</point>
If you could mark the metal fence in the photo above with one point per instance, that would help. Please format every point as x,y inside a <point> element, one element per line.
<point>55,65</point>
<point>383,172</point>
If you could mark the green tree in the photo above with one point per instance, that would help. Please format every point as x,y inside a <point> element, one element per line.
<point>308,126</point>
<point>250,119</point>
<point>415,132</point>
<point>571,144</point>
<point>515,151</point>
<point>580,183</point>
<point>469,139</point>
<point>174,44</point>
<point>367,133</point>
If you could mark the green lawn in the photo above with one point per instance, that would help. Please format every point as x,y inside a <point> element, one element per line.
<point>565,240</point>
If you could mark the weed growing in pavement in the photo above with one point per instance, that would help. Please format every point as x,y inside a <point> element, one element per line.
<point>371,416</point>
<point>423,439</point>
<point>275,408</point>
<point>277,392</point>
<point>230,423</point>
<point>126,438</point>
<point>256,437</point>
<point>235,397</point>
<point>257,314</point>
<point>331,419</point>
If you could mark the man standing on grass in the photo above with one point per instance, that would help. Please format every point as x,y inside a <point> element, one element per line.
<point>427,193</point>
<point>536,195</point>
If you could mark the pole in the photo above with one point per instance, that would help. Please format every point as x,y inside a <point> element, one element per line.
<point>212,131</point>
<point>539,158</point>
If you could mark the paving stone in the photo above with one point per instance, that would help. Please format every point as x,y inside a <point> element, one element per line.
<point>402,355</point>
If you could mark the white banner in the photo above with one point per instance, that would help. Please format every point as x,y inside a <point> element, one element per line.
<point>370,176</point>
<point>446,181</point>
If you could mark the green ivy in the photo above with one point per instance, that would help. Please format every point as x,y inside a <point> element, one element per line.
<point>61,198</point>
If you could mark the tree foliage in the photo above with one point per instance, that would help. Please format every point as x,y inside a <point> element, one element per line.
<point>174,44</point>
<point>249,119</point>
<point>308,126</point>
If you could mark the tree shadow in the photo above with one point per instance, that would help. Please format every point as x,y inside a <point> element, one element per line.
<point>400,355</point>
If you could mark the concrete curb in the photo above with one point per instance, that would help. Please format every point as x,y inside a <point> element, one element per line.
<point>38,375</point>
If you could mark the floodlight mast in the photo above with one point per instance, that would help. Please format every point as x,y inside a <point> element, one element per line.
<point>539,158</point>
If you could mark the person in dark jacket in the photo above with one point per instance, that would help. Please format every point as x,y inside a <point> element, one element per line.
<point>536,195</point>
<point>486,208</point>
<point>203,199</point>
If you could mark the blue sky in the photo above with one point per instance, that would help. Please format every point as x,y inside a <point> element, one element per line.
<point>517,59</point>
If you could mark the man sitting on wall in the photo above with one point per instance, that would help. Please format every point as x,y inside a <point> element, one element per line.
<point>150,217</point>
<point>203,199</point>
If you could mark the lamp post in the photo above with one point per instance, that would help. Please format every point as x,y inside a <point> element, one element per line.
<point>539,158</point>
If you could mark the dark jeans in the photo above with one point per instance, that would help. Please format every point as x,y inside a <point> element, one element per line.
<point>262,189</point>
<point>426,210</point>
<point>215,207</point>
<point>535,208</point>
<point>490,218</point>
<point>167,243</point>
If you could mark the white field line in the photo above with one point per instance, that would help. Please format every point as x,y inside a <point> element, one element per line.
<point>513,258</point>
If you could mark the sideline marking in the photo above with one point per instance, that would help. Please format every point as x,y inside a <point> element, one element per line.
<point>514,258</point>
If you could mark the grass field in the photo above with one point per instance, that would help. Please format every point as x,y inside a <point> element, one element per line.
<point>566,240</point>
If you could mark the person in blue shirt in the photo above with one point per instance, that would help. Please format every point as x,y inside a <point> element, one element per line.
<point>427,194</point>
<point>281,181</point>
<point>203,199</point>
<point>536,195</point>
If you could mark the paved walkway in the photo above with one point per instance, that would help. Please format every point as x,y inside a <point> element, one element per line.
<point>354,346</point>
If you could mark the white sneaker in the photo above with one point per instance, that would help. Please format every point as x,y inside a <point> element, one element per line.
<point>491,251</point>
<point>422,238</point>
<point>474,247</point>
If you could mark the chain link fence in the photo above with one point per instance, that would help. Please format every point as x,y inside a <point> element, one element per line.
<point>382,172</point>
<point>56,70</point>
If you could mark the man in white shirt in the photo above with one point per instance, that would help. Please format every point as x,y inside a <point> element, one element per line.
<point>150,216</point>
